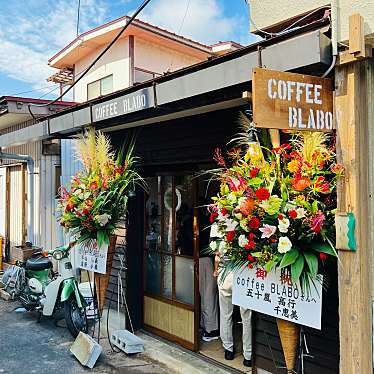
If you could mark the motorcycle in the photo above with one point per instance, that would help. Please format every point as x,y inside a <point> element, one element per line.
<point>48,292</point>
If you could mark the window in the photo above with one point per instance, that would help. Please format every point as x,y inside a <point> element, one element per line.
<point>100,87</point>
<point>142,75</point>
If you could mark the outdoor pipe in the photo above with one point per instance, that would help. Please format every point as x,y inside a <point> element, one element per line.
<point>30,188</point>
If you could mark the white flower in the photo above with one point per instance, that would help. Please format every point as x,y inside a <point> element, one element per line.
<point>243,241</point>
<point>242,200</point>
<point>283,224</point>
<point>300,212</point>
<point>103,219</point>
<point>213,245</point>
<point>284,244</point>
<point>215,232</point>
<point>267,231</point>
<point>230,225</point>
<point>231,198</point>
<point>222,247</point>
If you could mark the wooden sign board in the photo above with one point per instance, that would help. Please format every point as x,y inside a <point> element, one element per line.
<point>292,101</point>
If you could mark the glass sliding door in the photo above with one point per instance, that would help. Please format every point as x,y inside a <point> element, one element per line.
<point>171,259</point>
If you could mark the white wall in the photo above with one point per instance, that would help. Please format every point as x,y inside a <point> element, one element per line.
<point>159,59</point>
<point>115,62</point>
<point>267,12</point>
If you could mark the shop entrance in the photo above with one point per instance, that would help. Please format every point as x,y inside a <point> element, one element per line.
<point>171,259</point>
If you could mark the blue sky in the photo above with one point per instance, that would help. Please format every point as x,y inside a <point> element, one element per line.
<point>31,31</point>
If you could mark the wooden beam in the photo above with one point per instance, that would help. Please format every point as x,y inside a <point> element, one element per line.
<point>354,269</point>
<point>346,57</point>
<point>356,34</point>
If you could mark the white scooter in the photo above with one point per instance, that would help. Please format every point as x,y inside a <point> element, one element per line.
<point>47,291</point>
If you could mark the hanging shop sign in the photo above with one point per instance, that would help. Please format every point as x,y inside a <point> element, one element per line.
<point>90,256</point>
<point>292,101</point>
<point>123,105</point>
<point>275,295</point>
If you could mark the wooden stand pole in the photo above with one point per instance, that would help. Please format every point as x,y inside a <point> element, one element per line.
<point>354,269</point>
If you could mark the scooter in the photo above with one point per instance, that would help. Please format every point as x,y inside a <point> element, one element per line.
<point>48,292</point>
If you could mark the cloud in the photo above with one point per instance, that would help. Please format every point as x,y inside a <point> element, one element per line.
<point>35,31</point>
<point>204,21</point>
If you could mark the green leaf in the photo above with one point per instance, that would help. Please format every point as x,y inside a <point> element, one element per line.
<point>323,247</point>
<point>297,268</point>
<point>312,262</point>
<point>100,238</point>
<point>255,181</point>
<point>289,258</point>
<point>315,206</point>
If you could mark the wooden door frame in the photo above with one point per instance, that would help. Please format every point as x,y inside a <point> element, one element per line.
<point>195,308</point>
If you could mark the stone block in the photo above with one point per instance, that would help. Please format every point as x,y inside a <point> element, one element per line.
<point>86,350</point>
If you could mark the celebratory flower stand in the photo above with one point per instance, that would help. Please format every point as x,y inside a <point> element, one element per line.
<point>95,201</point>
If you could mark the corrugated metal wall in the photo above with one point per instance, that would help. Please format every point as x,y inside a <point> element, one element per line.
<point>69,163</point>
<point>17,205</point>
<point>45,225</point>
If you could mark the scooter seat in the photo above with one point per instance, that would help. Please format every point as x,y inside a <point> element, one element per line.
<point>38,262</point>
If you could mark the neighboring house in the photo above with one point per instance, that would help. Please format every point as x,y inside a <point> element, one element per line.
<point>15,179</point>
<point>142,53</point>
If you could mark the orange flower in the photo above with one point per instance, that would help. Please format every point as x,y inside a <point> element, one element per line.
<point>300,184</point>
<point>247,206</point>
<point>293,166</point>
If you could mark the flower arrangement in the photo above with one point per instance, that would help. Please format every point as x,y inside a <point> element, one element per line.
<point>96,200</point>
<point>278,212</point>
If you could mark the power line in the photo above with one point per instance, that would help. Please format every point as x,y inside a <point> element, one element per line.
<point>184,16</point>
<point>144,4</point>
<point>34,90</point>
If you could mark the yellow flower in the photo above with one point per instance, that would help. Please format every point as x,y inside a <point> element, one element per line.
<point>293,166</point>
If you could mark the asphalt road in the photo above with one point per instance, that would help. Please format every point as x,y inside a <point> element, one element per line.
<point>30,347</point>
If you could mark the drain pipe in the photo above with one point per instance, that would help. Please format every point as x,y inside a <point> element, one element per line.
<point>30,188</point>
<point>334,36</point>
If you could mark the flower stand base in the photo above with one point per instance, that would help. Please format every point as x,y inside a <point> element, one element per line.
<point>289,333</point>
<point>102,280</point>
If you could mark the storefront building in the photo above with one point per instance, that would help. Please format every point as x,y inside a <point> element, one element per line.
<point>179,120</point>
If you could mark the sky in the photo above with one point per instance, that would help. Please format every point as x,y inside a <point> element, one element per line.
<point>31,31</point>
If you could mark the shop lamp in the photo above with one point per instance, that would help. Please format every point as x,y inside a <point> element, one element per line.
<point>254,147</point>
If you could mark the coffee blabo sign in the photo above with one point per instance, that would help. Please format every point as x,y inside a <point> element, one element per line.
<point>292,101</point>
<point>274,294</point>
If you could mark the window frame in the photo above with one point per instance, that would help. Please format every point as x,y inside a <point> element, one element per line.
<point>100,87</point>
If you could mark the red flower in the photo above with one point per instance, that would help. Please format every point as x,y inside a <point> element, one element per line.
<point>250,258</point>
<point>69,207</point>
<point>292,213</point>
<point>262,194</point>
<point>224,211</point>
<point>317,223</point>
<point>85,211</point>
<point>213,216</point>
<point>93,186</point>
<point>254,223</point>
<point>323,256</point>
<point>251,235</point>
<point>251,244</point>
<point>250,266</point>
<point>280,216</point>
<point>253,173</point>
<point>230,235</point>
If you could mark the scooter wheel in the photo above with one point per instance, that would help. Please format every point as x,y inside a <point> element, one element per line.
<point>75,317</point>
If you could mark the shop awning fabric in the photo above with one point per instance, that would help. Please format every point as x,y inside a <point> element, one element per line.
<point>204,87</point>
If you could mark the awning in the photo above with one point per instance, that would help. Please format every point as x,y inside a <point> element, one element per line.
<point>204,87</point>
